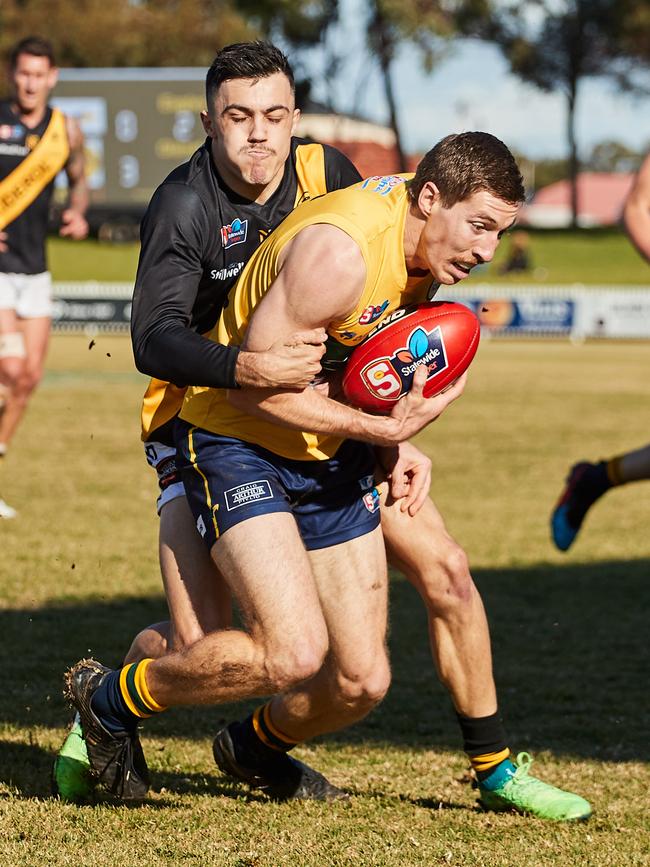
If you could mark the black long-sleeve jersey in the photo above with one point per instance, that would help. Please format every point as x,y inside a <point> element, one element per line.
<point>196,236</point>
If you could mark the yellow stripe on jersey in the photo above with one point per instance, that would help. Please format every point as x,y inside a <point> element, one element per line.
<point>373,213</point>
<point>30,177</point>
<point>310,171</point>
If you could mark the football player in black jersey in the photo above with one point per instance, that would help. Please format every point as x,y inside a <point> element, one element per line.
<point>415,534</point>
<point>36,142</point>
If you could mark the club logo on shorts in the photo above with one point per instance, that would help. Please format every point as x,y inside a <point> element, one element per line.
<point>234,233</point>
<point>251,492</point>
<point>386,378</point>
<point>200,526</point>
<point>371,500</point>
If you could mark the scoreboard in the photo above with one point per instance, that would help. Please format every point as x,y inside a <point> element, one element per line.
<point>138,125</point>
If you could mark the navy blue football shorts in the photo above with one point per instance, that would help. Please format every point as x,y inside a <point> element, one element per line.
<point>228,481</point>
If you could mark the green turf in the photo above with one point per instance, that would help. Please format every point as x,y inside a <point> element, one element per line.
<point>78,574</point>
<point>599,256</point>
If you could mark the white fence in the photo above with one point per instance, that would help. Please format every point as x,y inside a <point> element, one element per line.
<point>504,309</point>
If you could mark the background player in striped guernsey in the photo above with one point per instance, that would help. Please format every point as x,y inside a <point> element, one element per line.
<point>36,142</point>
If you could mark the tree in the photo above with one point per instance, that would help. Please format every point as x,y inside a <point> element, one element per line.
<point>423,23</point>
<point>555,44</point>
<point>158,32</point>
<point>125,33</point>
<point>612,156</point>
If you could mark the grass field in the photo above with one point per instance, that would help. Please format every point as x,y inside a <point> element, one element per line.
<point>600,256</point>
<point>79,575</point>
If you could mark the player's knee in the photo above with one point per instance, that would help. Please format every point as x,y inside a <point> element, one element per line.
<point>446,582</point>
<point>10,371</point>
<point>296,662</point>
<point>150,643</point>
<point>29,380</point>
<point>362,690</point>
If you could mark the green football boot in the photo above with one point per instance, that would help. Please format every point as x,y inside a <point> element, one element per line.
<point>524,793</point>
<point>71,779</point>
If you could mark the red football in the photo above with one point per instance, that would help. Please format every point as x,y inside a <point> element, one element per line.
<point>444,335</point>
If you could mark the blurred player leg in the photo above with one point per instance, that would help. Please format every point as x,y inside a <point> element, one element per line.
<point>35,332</point>
<point>12,361</point>
<point>586,483</point>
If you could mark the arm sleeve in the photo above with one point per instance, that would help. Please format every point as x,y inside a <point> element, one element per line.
<point>174,235</point>
<point>339,171</point>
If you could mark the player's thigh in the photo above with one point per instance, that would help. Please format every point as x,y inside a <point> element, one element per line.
<point>197,596</point>
<point>241,510</point>
<point>413,542</point>
<point>352,585</point>
<point>12,342</point>
<point>8,320</point>
<point>269,573</point>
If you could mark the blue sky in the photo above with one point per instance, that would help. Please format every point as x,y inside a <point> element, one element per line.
<point>472,89</point>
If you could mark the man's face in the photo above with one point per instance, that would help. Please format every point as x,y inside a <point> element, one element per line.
<point>456,239</point>
<point>33,78</point>
<point>251,123</point>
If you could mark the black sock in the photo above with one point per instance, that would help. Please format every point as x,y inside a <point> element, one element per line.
<point>257,741</point>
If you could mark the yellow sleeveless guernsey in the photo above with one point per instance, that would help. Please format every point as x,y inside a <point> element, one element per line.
<point>162,400</point>
<point>373,214</point>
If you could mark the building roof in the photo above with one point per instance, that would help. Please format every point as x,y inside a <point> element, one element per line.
<point>370,146</point>
<point>601,197</point>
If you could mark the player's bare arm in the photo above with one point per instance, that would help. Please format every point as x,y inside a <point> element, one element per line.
<point>73,220</point>
<point>321,280</point>
<point>637,211</point>
<point>290,362</point>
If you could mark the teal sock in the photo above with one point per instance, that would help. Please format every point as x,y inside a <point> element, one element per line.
<point>498,776</point>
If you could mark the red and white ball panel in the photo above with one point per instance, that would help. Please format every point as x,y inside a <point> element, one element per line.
<point>443,335</point>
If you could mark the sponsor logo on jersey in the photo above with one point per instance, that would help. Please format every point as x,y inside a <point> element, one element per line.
<point>372,313</point>
<point>234,233</point>
<point>251,492</point>
<point>13,150</point>
<point>382,185</point>
<point>10,131</point>
<point>224,273</point>
<point>389,377</point>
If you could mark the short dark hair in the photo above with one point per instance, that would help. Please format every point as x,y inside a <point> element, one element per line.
<point>246,60</point>
<point>34,45</point>
<point>465,163</point>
